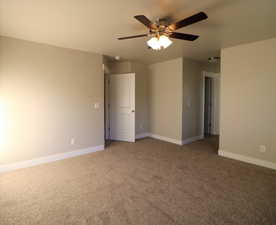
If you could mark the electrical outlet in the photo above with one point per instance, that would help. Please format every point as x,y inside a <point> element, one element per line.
<point>141,126</point>
<point>72,141</point>
<point>262,148</point>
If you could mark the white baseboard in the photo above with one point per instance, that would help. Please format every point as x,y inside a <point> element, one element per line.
<point>171,140</point>
<point>50,158</point>
<point>191,139</point>
<point>247,159</point>
<point>178,142</point>
<point>142,135</point>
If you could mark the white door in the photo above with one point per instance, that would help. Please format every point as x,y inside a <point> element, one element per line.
<point>122,107</point>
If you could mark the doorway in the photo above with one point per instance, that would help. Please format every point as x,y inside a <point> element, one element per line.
<point>210,104</point>
<point>208,109</point>
<point>120,107</point>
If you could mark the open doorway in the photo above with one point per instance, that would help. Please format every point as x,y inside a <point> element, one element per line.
<point>208,103</point>
<point>210,106</point>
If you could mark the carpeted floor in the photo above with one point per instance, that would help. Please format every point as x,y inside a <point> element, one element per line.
<point>149,183</point>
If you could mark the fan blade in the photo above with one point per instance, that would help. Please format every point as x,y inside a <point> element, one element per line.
<point>182,36</point>
<point>135,36</point>
<point>188,21</point>
<point>144,20</point>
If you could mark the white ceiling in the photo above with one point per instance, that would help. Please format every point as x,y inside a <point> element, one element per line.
<point>94,25</point>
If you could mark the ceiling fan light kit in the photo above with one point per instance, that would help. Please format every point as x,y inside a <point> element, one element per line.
<point>161,32</point>
<point>158,43</point>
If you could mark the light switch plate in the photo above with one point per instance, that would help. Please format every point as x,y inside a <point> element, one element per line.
<point>262,148</point>
<point>96,105</point>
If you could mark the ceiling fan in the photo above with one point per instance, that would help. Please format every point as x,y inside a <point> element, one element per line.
<point>161,31</point>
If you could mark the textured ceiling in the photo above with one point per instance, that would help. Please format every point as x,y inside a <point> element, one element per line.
<point>94,25</point>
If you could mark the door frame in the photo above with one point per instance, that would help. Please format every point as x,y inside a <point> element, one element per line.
<point>215,76</point>
<point>106,107</point>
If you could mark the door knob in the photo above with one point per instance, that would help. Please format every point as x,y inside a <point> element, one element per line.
<point>133,110</point>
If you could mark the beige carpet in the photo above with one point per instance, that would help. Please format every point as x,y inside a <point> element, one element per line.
<point>149,183</point>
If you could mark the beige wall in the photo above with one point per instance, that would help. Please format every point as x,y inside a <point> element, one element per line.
<point>46,97</point>
<point>165,102</point>
<point>192,99</point>
<point>120,67</point>
<point>211,67</point>
<point>175,89</point>
<point>248,100</point>
<point>141,97</point>
<point>216,105</point>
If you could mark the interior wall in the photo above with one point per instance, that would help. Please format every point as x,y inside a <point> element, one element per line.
<point>47,96</point>
<point>248,102</point>
<point>141,98</point>
<point>216,105</point>
<point>116,67</point>
<point>107,65</point>
<point>165,101</point>
<point>192,99</point>
<point>211,67</point>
